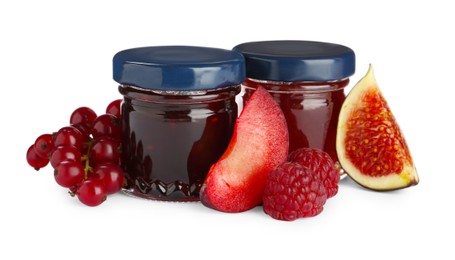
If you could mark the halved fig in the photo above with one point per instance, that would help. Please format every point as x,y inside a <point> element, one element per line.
<point>370,145</point>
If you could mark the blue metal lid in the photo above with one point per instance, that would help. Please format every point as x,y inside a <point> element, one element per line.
<point>178,68</point>
<point>297,60</point>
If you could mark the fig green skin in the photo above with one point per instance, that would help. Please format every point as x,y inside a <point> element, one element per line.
<point>379,189</point>
<point>392,181</point>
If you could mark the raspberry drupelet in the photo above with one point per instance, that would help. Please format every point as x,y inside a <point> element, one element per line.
<point>293,191</point>
<point>321,164</point>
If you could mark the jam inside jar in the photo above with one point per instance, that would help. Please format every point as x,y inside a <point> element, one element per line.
<point>311,110</point>
<point>307,80</point>
<point>178,116</point>
<point>171,141</point>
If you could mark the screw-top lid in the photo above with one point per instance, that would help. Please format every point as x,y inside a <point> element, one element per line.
<point>178,68</point>
<point>297,60</point>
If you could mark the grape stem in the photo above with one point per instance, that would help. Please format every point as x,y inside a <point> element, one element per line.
<point>86,158</point>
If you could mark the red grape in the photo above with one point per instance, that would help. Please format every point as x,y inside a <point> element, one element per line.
<point>114,108</point>
<point>91,192</point>
<point>111,175</point>
<point>83,115</point>
<point>69,135</point>
<point>63,153</point>
<point>34,159</point>
<point>89,141</point>
<point>44,145</point>
<point>104,149</point>
<point>84,129</point>
<point>106,125</point>
<point>69,173</point>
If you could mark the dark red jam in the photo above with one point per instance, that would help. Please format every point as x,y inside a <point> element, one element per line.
<point>178,116</point>
<point>311,110</point>
<point>171,141</point>
<point>307,79</point>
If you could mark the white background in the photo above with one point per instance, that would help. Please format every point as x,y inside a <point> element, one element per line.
<point>56,56</point>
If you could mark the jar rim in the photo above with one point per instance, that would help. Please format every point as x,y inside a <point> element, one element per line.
<point>179,92</point>
<point>295,87</point>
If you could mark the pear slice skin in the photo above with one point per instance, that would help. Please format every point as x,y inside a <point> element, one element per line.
<point>236,182</point>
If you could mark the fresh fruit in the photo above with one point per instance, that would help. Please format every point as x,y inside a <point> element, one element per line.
<point>64,153</point>
<point>85,131</point>
<point>260,142</point>
<point>85,156</point>
<point>370,145</point>
<point>83,115</point>
<point>69,173</point>
<point>34,160</point>
<point>321,164</point>
<point>293,191</point>
<point>106,125</point>
<point>44,145</point>
<point>114,108</point>
<point>111,175</point>
<point>69,135</point>
<point>105,149</point>
<point>92,192</point>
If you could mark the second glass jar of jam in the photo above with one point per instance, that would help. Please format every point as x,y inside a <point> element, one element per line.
<point>178,116</point>
<point>307,79</point>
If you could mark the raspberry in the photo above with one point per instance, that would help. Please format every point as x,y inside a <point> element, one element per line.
<point>321,164</point>
<point>293,192</point>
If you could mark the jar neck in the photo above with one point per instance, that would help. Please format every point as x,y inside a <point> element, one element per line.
<point>178,97</point>
<point>297,86</point>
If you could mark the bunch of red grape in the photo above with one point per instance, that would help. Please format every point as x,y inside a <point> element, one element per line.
<point>85,155</point>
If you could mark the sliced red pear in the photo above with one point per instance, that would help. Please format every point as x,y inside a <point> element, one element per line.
<point>260,143</point>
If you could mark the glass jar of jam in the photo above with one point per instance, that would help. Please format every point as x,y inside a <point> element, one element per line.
<point>307,79</point>
<point>178,116</point>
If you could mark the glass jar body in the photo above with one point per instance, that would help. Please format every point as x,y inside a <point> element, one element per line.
<point>171,139</point>
<point>311,110</point>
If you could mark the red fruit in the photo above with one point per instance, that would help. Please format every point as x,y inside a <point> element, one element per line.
<point>293,191</point>
<point>104,149</point>
<point>370,145</point>
<point>34,160</point>
<point>64,153</point>
<point>106,125</point>
<point>321,164</point>
<point>91,192</point>
<point>111,175</point>
<point>44,145</point>
<point>83,115</point>
<point>69,135</point>
<point>84,129</point>
<point>114,108</point>
<point>69,173</point>
<point>260,142</point>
